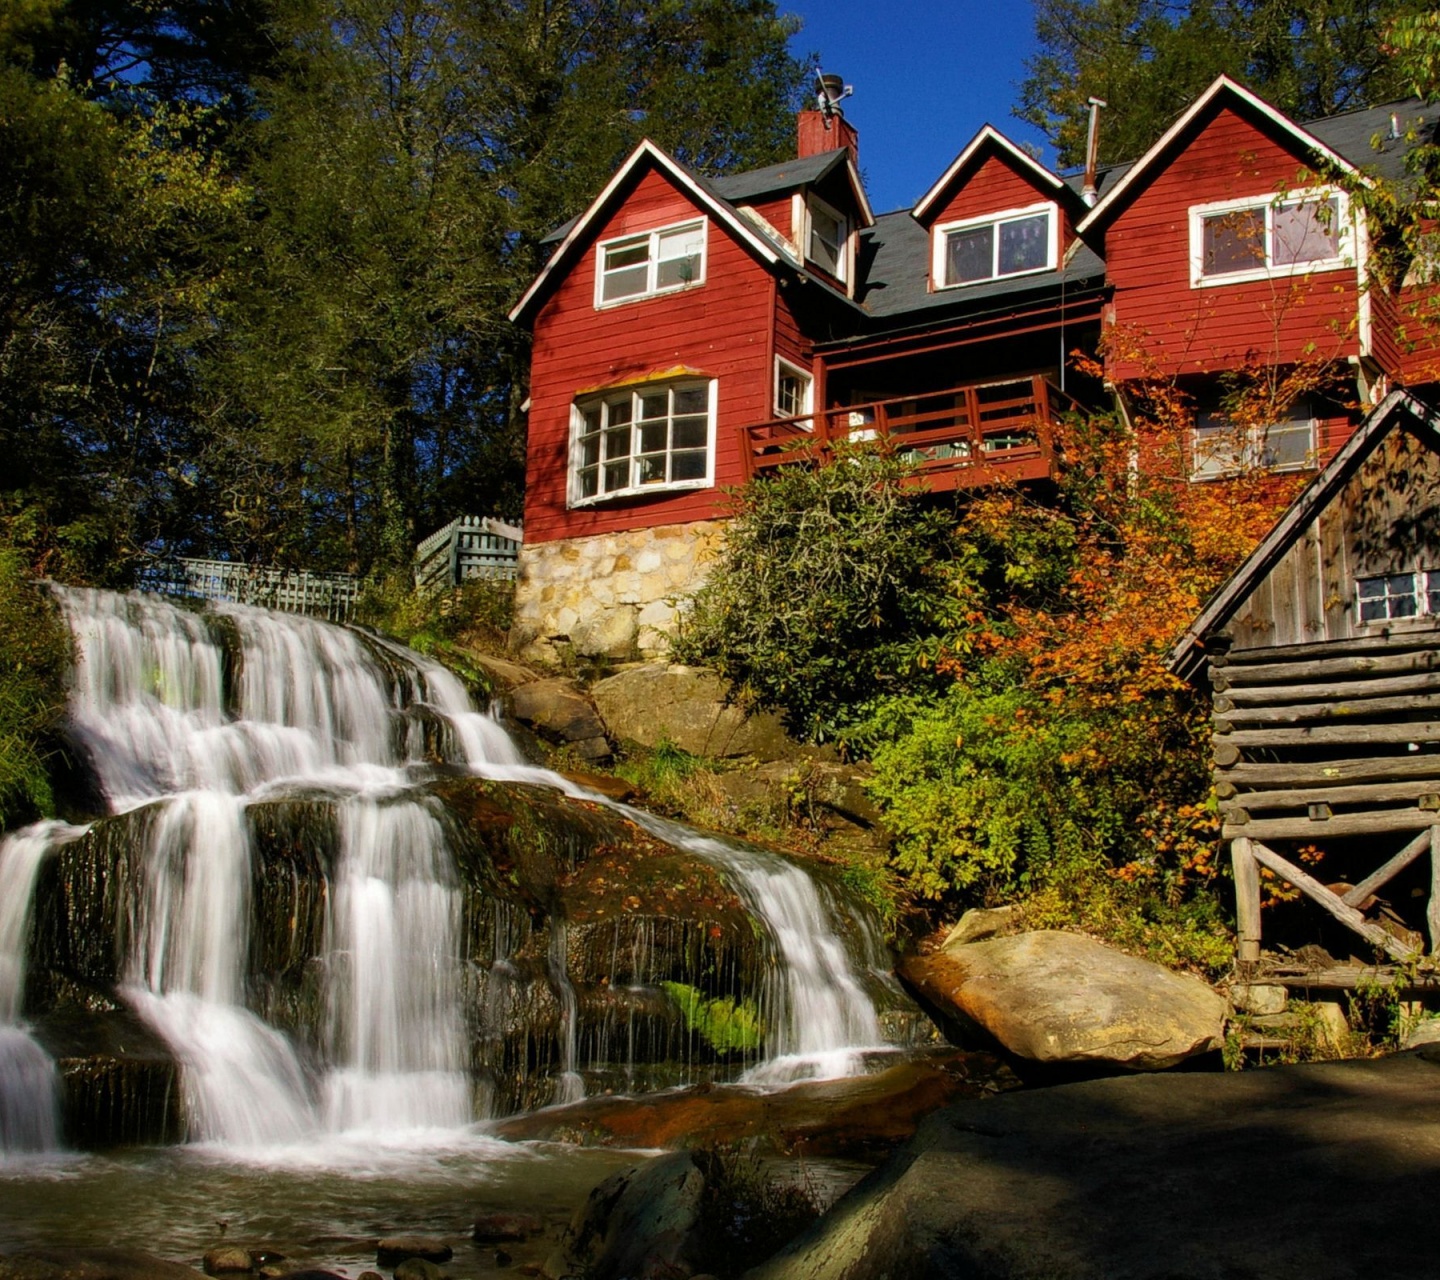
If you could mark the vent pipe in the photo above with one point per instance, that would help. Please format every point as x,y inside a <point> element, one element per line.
<point>1089,193</point>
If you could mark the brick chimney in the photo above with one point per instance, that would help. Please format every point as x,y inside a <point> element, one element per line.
<point>818,131</point>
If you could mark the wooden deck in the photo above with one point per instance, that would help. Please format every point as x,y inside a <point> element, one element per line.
<point>961,437</point>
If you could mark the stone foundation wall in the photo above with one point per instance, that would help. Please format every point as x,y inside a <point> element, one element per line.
<point>611,595</point>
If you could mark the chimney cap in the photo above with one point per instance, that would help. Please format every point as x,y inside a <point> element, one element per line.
<point>830,91</point>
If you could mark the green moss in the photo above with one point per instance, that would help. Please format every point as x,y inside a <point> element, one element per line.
<point>725,1024</point>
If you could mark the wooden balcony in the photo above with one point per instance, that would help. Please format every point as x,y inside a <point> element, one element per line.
<point>979,434</point>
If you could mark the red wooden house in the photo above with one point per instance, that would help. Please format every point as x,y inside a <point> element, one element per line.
<point>689,333</point>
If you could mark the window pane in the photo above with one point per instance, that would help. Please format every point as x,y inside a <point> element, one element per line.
<point>1024,244</point>
<point>827,236</point>
<point>617,444</point>
<point>692,400</point>
<point>790,395</point>
<point>689,465</point>
<point>655,406</point>
<point>617,476</point>
<point>619,411</point>
<point>627,254</point>
<point>651,470</point>
<point>1288,444</point>
<point>652,436</point>
<point>1306,232</point>
<point>683,242</point>
<point>592,421</point>
<point>589,451</point>
<point>970,255</point>
<point>1234,241</point>
<point>1217,447</point>
<point>624,284</point>
<point>589,483</point>
<point>690,433</point>
<point>1432,591</point>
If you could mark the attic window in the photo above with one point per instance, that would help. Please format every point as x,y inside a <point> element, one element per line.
<point>1392,596</point>
<point>1232,241</point>
<point>1016,242</point>
<point>658,261</point>
<point>828,239</point>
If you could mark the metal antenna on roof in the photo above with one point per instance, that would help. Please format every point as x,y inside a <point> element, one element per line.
<point>830,92</point>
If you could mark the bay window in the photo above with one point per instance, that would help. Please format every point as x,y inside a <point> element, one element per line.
<point>641,439</point>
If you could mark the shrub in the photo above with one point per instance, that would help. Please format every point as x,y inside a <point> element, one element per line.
<point>831,583</point>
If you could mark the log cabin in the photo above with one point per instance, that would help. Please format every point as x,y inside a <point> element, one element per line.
<point>1322,654</point>
<point>689,333</point>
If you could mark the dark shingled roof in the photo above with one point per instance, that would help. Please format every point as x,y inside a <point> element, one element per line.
<point>895,271</point>
<point>736,187</point>
<point>1352,134</point>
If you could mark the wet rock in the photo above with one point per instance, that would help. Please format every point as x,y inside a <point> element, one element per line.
<point>226,1259</point>
<point>607,785</point>
<point>394,1250</point>
<point>418,1269</point>
<point>858,1118</point>
<point>558,710</point>
<point>92,1264</point>
<point>635,1225</point>
<point>686,706</point>
<point>1059,998</point>
<point>1134,1178</point>
<point>981,923</point>
<point>502,1228</point>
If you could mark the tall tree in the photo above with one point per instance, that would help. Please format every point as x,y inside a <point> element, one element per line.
<point>1148,59</point>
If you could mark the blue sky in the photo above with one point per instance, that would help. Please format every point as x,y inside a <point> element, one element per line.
<point>926,77</point>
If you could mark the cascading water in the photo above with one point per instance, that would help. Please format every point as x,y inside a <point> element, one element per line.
<point>198,719</point>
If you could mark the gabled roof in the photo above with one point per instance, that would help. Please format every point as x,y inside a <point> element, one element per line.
<point>1224,87</point>
<point>1398,408</point>
<point>790,176</point>
<point>647,153</point>
<point>990,137</point>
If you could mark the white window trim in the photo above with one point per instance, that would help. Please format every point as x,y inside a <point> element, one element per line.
<point>784,366</point>
<point>1422,614</point>
<point>1254,439</point>
<point>577,427</point>
<point>937,253</point>
<point>804,204</point>
<point>1345,257</point>
<point>651,290</point>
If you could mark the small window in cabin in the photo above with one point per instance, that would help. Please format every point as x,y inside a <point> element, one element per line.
<point>659,261</point>
<point>636,440</point>
<point>1232,241</point>
<point>1014,243</point>
<point>793,390</point>
<point>1391,595</point>
<point>1221,448</point>
<point>828,244</point>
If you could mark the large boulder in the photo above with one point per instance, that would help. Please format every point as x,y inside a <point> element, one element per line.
<point>557,710</point>
<point>686,707</point>
<point>1059,998</point>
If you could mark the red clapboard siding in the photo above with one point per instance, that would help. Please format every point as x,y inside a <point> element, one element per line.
<point>993,186</point>
<point>779,213</point>
<point>1187,330</point>
<point>1416,334</point>
<point>790,340</point>
<point>720,327</point>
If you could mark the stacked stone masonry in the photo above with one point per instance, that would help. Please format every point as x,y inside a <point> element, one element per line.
<point>611,595</point>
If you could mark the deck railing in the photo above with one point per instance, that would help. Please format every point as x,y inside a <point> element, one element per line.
<point>323,595</point>
<point>467,548</point>
<point>967,435</point>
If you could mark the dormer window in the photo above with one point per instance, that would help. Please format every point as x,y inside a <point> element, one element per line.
<point>827,243</point>
<point>653,262</point>
<point>1232,241</point>
<point>1014,243</point>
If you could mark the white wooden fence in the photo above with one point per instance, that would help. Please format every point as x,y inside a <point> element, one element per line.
<point>467,548</point>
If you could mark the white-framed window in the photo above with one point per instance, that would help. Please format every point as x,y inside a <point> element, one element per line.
<point>1013,243</point>
<point>794,391</point>
<point>640,439</point>
<point>1232,241</point>
<point>1221,448</point>
<point>827,238</point>
<point>1390,596</point>
<point>650,262</point>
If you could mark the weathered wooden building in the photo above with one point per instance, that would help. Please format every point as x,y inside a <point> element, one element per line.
<point>1323,656</point>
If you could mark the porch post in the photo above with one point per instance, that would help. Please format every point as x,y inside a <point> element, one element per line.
<point>1247,900</point>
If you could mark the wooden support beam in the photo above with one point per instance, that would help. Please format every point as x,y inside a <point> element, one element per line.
<point>1247,899</point>
<point>1322,897</point>
<point>1353,709</point>
<point>1378,664</point>
<point>1226,754</point>
<point>1334,734</point>
<point>1390,870</point>
<point>1347,824</point>
<point>1374,793</point>
<point>1324,773</point>
<point>1279,694</point>
<point>1432,910</point>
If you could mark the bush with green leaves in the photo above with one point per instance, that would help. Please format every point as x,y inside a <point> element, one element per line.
<point>829,589</point>
<point>34,664</point>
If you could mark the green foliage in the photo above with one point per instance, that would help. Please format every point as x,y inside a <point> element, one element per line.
<point>830,586</point>
<point>34,664</point>
<point>475,614</point>
<point>1149,59</point>
<point>725,1024</point>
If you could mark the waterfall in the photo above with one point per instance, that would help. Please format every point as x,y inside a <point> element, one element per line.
<point>195,719</point>
<point>29,1085</point>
